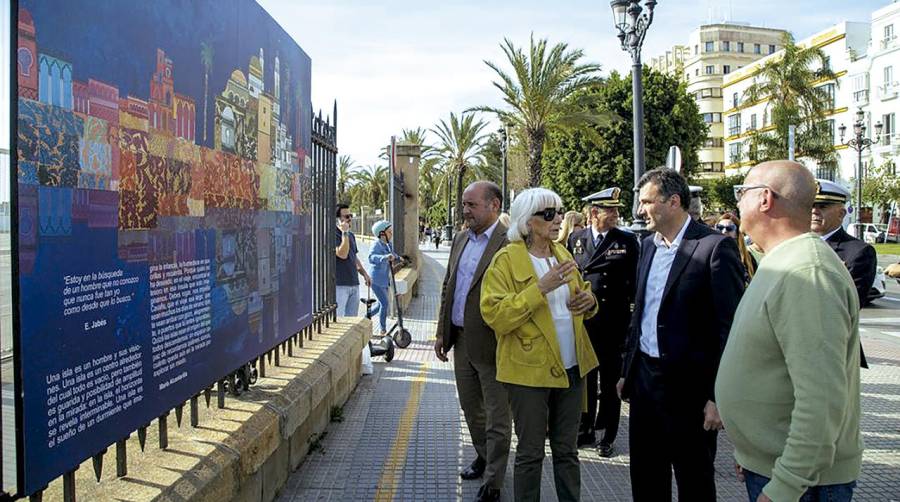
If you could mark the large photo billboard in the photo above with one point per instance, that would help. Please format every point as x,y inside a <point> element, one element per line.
<point>162,236</point>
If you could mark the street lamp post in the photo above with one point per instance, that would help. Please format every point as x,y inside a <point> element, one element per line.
<point>504,149</point>
<point>632,25</point>
<point>448,229</point>
<point>859,142</point>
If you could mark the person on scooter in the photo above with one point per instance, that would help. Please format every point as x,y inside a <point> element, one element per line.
<point>382,257</point>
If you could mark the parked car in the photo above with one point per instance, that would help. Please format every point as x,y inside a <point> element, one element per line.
<point>869,232</point>
<point>878,286</point>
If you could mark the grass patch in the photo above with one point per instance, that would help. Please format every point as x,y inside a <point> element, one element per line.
<point>888,248</point>
<point>337,414</point>
<point>315,443</point>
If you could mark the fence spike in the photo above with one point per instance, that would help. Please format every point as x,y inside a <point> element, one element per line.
<point>269,356</point>
<point>220,394</point>
<point>69,486</point>
<point>277,355</point>
<point>290,347</point>
<point>164,431</point>
<point>195,412</point>
<point>37,496</point>
<point>207,394</point>
<point>142,436</point>
<point>121,458</point>
<point>262,366</point>
<point>97,460</point>
<point>179,410</point>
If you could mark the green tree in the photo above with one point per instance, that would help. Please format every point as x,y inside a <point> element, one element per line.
<point>591,158</point>
<point>881,185</point>
<point>460,146</point>
<point>345,176</point>
<point>791,86</point>
<point>720,193</point>
<point>541,94</point>
<point>206,58</point>
<point>374,186</point>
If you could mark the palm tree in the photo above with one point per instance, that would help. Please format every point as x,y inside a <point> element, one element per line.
<point>206,57</point>
<point>345,175</point>
<point>460,144</point>
<point>542,93</point>
<point>374,183</point>
<point>415,136</point>
<point>792,87</point>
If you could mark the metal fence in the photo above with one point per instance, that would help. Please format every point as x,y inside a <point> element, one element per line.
<point>397,202</point>
<point>319,192</point>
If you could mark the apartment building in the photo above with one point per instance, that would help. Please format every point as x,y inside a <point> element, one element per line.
<point>714,52</point>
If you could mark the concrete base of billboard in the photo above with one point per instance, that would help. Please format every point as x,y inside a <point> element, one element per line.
<point>245,451</point>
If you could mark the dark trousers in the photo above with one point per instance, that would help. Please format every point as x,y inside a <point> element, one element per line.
<point>538,411</point>
<point>665,434</point>
<point>603,410</point>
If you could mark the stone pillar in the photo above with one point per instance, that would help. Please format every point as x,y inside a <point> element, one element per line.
<point>408,156</point>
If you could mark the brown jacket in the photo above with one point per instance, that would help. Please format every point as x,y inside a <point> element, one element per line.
<point>480,340</point>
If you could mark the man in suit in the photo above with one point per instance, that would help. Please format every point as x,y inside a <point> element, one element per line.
<point>860,258</point>
<point>690,281</point>
<point>607,258</point>
<point>461,327</point>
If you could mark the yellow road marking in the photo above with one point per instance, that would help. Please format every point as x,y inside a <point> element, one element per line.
<point>393,465</point>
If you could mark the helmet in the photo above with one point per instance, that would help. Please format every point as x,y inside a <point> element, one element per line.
<point>380,226</point>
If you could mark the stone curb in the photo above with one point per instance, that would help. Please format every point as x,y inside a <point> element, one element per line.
<point>246,451</point>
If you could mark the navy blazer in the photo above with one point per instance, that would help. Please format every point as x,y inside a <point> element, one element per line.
<point>701,295</point>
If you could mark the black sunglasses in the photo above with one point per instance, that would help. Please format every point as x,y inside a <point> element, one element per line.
<point>726,228</point>
<point>550,213</point>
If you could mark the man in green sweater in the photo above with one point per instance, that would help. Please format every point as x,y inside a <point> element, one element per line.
<point>788,383</point>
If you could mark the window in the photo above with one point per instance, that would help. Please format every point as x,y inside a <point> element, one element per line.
<point>888,76</point>
<point>753,122</point>
<point>714,143</point>
<point>889,128</point>
<point>734,152</point>
<point>710,69</point>
<point>709,47</point>
<point>734,124</point>
<point>740,47</point>
<point>709,92</point>
<point>889,32</point>
<point>697,72</point>
<point>757,49</point>
<point>712,166</point>
<point>696,50</point>
<point>771,49</point>
<point>765,118</point>
<point>734,100</point>
<point>829,129</point>
<point>828,89</point>
<point>726,69</point>
<point>726,46</point>
<point>712,118</point>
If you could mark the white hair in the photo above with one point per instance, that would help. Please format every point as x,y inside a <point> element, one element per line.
<point>526,204</point>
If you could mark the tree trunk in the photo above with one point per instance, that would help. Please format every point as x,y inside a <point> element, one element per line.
<point>535,155</point>
<point>458,217</point>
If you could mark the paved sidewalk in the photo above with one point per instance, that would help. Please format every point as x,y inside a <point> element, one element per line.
<point>403,436</point>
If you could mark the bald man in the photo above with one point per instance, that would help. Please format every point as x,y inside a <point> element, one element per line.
<point>788,384</point>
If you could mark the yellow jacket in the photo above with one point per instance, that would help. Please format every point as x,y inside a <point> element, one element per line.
<point>513,306</point>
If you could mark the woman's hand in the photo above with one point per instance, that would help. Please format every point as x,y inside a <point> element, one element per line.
<point>582,302</point>
<point>558,275</point>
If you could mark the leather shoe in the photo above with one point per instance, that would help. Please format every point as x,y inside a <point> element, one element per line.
<point>586,439</point>
<point>487,494</point>
<point>474,470</point>
<point>605,450</point>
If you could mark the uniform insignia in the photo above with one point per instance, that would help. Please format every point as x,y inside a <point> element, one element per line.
<point>617,251</point>
<point>579,246</point>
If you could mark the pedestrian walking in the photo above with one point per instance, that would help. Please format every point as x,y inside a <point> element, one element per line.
<point>788,388</point>
<point>461,328</point>
<point>690,280</point>
<point>348,267</point>
<point>607,258</point>
<point>381,257</point>
<point>536,301</point>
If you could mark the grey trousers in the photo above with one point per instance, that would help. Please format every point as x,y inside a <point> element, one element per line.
<point>537,411</point>
<point>486,408</point>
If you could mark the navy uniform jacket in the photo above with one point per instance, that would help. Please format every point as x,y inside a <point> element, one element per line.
<point>611,268</point>
<point>861,260</point>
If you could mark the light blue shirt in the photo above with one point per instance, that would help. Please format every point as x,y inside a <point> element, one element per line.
<point>656,285</point>
<point>465,271</point>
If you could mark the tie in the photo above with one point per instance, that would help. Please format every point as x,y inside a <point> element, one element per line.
<point>598,240</point>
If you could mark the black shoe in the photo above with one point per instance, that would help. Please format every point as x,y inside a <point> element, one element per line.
<point>474,470</point>
<point>586,439</point>
<point>487,494</point>
<point>605,450</point>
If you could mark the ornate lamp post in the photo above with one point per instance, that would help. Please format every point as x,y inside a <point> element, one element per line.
<point>504,149</point>
<point>859,142</point>
<point>632,23</point>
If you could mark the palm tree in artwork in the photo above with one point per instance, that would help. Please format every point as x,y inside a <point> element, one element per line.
<point>206,57</point>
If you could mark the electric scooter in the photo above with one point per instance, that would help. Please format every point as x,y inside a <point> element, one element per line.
<point>385,345</point>
<point>402,337</point>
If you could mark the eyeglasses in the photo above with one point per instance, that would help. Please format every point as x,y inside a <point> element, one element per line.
<point>726,228</point>
<point>346,216</point>
<point>550,213</point>
<point>740,190</point>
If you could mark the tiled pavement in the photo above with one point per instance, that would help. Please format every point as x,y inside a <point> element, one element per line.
<point>403,436</point>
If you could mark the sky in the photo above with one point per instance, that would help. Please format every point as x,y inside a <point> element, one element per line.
<point>395,64</point>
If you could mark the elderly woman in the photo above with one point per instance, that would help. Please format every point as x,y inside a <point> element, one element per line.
<point>382,257</point>
<point>536,301</point>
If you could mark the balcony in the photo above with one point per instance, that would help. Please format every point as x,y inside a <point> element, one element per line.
<point>888,43</point>
<point>886,92</point>
<point>861,98</point>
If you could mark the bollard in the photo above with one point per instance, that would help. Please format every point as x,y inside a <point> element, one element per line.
<point>121,458</point>
<point>220,391</point>
<point>195,412</point>
<point>37,496</point>
<point>69,486</point>
<point>277,356</point>
<point>164,431</point>
<point>290,347</point>
<point>262,366</point>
